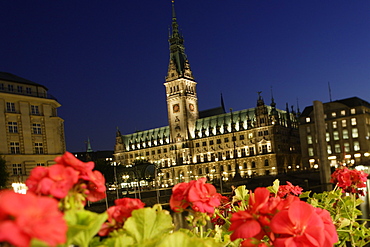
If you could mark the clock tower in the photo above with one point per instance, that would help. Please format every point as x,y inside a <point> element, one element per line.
<point>182,102</point>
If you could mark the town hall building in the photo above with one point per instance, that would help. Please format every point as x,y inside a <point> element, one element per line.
<point>215,143</point>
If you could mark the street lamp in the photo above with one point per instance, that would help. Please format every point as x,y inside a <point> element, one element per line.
<point>115,164</point>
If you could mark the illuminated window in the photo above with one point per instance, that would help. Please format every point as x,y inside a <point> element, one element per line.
<point>327,136</point>
<point>35,110</point>
<point>346,147</point>
<point>336,135</point>
<point>344,123</point>
<point>309,139</point>
<point>329,149</point>
<point>310,151</point>
<point>333,114</point>
<point>308,119</point>
<point>335,125</point>
<point>337,148</point>
<point>345,134</point>
<point>343,112</point>
<point>10,107</point>
<point>353,111</point>
<point>17,169</point>
<point>14,148</point>
<point>356,146</point>
<point>39,148</point>
<point>36,128</point>
<point>353,121</point>
<point>13,127</point>
<point>354,133</point>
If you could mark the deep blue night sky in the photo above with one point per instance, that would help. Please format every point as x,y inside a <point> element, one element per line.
<point>106,61</point>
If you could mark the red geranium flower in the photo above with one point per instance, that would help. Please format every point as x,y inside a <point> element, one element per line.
<point>29,216</point>
<point>349,180</point>
<point>300,225</point>
<point>55,180</point>
<point>119,213</point>
<point>203,197</point>
<point>197,194</point>
<point>289,189</point>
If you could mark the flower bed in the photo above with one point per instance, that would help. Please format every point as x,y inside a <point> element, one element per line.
<point>52,213</point>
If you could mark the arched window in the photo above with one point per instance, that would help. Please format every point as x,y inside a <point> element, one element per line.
<point>266,162</point>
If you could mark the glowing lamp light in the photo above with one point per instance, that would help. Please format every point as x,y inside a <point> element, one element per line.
<point>357,155</point>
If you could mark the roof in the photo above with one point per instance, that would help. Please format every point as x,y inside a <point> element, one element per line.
<point>350,102</point>
<point>13,78</point>
<point>211,112</point>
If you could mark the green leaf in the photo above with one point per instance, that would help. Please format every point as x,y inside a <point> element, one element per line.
<point>275,187</point>
<point>181,239</point>
<point>148,223</point>
<point>83,225</point>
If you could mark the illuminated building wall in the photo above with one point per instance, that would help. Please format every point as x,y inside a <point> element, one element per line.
<point>31,132</point>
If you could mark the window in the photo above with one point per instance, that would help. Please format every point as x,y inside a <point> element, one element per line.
<point>226,139</point>
<point>356,146</point>
<point>329,149</point>
<point>333,114</point>
<point>13,127</point>
<point>266,132</point>
<point>241,137</point>
<point>204,144</point>
<point>158,151</point>
<point>211,142</point>
<point>345,134</point>
<point>14,148</point>
<point>336,135</point>
<point>35,110</point>
<point>354,133</point>
<point>346,147</point>
<point>227,154</point>
<point>309,139</point>
<point>308,119</point>
<point>327,137</point>
<point>344,123</point>
<point>353,121</point>
<point>36,128</point>
<point>39,148</point>
<point>353,111</point>
<point>335,124</point>
<point>243,152</point>
<point>165,150</point>
<point>19,89</point>
<point>1,86</point>
<point>264,149</point>
<point>251,150</point>
<point>343,112</point>
<point>337,148</point>
<point>40,164</point>
<point>28,90</point>
<point>17,169</point>
<point>153,152</point>
<point>10,88</point>
<point>218,141</point>
<point>310,151</point>
<point>308,129</point>
<point>250,135</point>
<point>253,164</point>
<point>266,162</point>
<point>10,107</point>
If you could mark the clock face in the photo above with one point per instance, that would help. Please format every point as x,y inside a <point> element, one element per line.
<point>176,108</point>
<point>191,107</point>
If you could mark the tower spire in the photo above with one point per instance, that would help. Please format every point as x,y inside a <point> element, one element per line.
<point>179,66</point>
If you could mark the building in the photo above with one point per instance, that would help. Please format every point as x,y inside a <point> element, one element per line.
<point>346,132</point>
<point>262,140</point>
<point>31,132</point>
